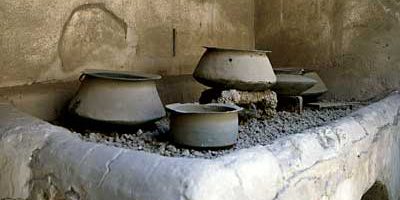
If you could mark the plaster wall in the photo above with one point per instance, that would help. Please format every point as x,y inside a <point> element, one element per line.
<point>352,43</point>
<point>44,40</point>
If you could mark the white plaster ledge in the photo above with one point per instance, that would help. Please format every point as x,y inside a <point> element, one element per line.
<point>338,161</point>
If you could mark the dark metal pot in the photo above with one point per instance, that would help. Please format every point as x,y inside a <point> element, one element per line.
<point>204,125</point>
<point>248,70</point>
<point>292,85</point>
<point>315,90</point>
<point>118,97</point>
<point>318,89</point>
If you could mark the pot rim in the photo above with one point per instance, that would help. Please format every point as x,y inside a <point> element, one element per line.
<point>175,108</point>
<point>292,70</point>
<point>283,75</point>
<point>233,49</point>
<point>126,75</point>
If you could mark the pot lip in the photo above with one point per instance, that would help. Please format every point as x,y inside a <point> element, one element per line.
<point>283,78</point>
<point>106,74</point>
<point>292,70</point>
<point>175,108</point>
<point>233,49</point>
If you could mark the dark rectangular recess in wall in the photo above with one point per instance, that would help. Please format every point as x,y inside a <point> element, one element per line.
<point>173,42</point>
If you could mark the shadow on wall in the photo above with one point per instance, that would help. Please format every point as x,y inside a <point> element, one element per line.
<point>93,36</point>
<point>377,192</point>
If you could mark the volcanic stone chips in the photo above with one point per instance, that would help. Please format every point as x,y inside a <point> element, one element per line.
<point>252,132</point>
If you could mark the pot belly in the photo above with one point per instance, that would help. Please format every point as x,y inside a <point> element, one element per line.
<point>119,102</point>
<point>204,130</point>
<point>231,69</point>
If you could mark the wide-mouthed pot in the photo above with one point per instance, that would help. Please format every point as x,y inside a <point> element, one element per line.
<point>204,125</point>
<point>316,90</point>
<point>292,84</point>
<point>118,97</point>
<point>248,70</point>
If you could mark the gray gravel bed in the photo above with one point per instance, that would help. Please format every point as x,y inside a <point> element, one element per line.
<point>252,132</point>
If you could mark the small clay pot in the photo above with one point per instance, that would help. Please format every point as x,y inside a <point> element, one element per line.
<point>118,97</point>
<point>247,70</point>
<point>204,125</point>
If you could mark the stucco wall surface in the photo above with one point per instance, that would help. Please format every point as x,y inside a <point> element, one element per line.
<point>339,161</point>
<point>43,40</point>
<point>354,44</point>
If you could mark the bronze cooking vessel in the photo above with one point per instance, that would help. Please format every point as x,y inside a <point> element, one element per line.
<point>315,90</point>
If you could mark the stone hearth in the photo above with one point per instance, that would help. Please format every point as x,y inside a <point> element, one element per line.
<point>341,160</point>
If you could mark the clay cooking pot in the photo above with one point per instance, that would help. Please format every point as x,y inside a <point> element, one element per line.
<point>248,70</point>
<point>204,125</point>
<point>118,97</point>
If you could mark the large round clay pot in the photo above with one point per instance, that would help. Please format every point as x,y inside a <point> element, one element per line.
<point>204,125</point>
<point>248,70</point>
<point>118,97</point>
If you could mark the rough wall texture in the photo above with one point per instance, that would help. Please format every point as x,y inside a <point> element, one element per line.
<point>339,161</point>
<point>353,43</point>
<point>55,39</point>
